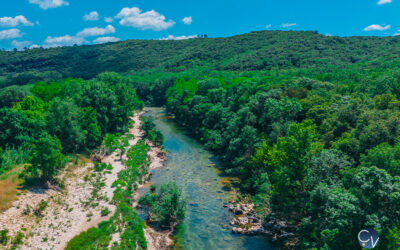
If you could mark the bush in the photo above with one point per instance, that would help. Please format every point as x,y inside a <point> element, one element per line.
<point>18,239</point>
<point>156,137</point>
<point>167,206</point>
<point>40,208</point>
<point>99,167</point>
<point>4,238</point>
<point>105,212</point>
<point>147,125</point>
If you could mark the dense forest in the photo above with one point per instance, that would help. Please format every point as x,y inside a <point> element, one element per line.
<point>60,118</point>
<point>309,123</point>
<point>261,50</point>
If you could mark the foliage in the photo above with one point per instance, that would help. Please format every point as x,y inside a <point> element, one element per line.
<point>11,95</point>
<point>18,239</point>
<point>105,211</point>
<point>40,208</point>
<point>4,238</point>
<point>393,238</point>
<point>261,50</point>
<point>150,131</point>
<point>147,126</point>
<point>46,157</point>
<point>77,113</point>
<point>156,137</point>
<point>309,123</point>
<point>12,157</point>
<point>166,206</point>
<point>46,91</point>
<point>307,150</point>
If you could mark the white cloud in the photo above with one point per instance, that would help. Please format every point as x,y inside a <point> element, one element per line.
<point>34,46</point>
<point>187,20</point>
<point>92,16</point>
<point>47,4</point>
<point>96,31</point>
<point>287,25</point>
<point>14,21</point>
<point>20,44</point>
<point>373,27</point>
<point>268,26</point>
<point>106,39</point>
<point>171,37</point>
<point>147,20</point>
<point>108,19</point>
<point>66,40</point>
<point>384,2</point>
<point>10,34</point>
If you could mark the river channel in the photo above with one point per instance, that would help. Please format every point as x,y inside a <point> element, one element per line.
<point>195,170</point>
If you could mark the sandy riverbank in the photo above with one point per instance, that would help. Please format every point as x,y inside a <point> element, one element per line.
<point>67,212</point>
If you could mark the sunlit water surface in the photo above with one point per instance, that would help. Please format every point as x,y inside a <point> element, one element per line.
<point>190,166</point>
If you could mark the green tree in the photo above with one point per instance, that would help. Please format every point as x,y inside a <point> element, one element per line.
<point>46,91</point>
<point>103,99</point>
<point>33,107</point>
<point>16,128</point>
<point>46,157</point>
<point>334,214</point>
<point>111,142</point>
<point>393,238</point>
<point>291,157</point>
<point>90,127</point>
<point>167,205</point>
<point>156,137</point>
<point>383,156</point>
<point>147,126</point>
<point>63,121</point>
<point>11,95</point>
<point>325,167</point>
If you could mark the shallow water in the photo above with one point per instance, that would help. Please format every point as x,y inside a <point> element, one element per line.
<point>189,165</point>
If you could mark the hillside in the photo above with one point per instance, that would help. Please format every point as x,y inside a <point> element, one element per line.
<point>305,128</point>
<point>254,51</point>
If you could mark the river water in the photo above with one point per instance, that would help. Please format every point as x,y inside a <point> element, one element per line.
<point>190,166</point>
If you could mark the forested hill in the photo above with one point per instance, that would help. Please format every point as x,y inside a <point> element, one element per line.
<point>308,124</point>
<point>253,51</point>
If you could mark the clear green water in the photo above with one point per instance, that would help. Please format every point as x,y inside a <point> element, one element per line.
<point>188,164</point>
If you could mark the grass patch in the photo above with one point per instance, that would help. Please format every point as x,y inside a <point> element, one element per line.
<point>9,190</point>
<point>179,237</point>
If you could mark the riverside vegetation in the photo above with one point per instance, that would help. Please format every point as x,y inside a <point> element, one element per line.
<point>309,123</point>
<point>39,134</point>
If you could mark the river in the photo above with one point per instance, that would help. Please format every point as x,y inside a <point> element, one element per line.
<point>191,167</point>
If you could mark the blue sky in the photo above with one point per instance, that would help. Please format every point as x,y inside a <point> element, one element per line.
<point>49,23</point>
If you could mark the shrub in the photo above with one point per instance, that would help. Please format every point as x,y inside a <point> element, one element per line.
<point>4,238</point>
<point>40,208</point>
<point>18,239</point>
<point>105,212</point>
<point>167,206</point>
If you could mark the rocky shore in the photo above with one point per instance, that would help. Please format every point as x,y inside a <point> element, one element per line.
<point>246,221</point>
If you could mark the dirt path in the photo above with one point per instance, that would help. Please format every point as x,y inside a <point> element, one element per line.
<point>68,212</point>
